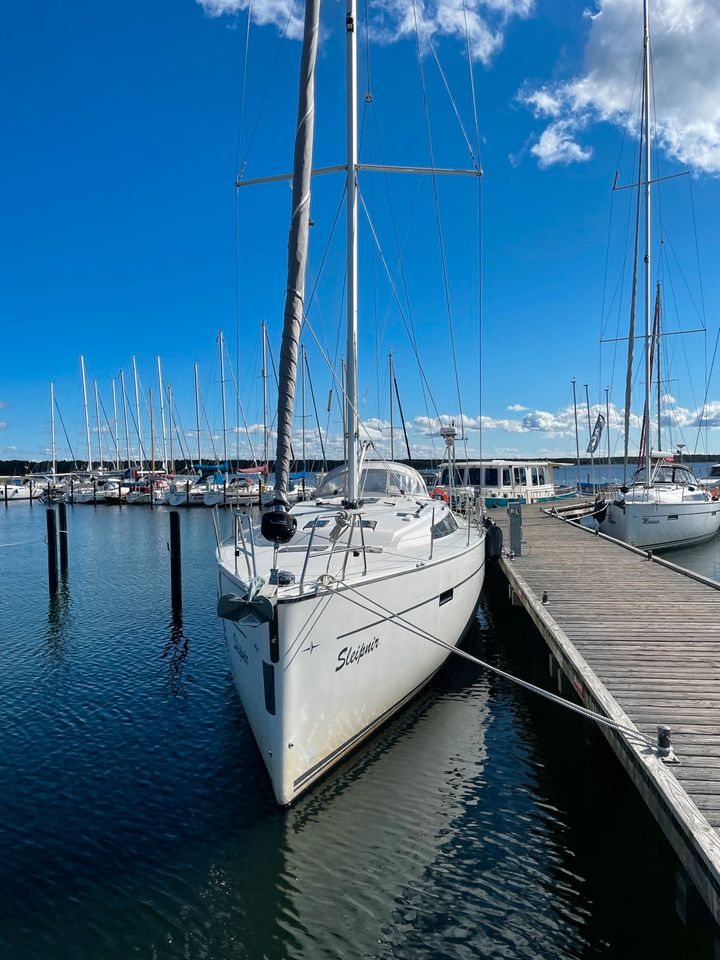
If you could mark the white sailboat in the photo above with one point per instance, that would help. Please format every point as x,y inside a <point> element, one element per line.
<point>337,613</point>
<point>664,506</point>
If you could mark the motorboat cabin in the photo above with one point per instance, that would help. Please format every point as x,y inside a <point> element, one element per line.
<point>501,482</point>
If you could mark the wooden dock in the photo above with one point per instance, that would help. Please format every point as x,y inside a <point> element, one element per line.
<point>640,643</point>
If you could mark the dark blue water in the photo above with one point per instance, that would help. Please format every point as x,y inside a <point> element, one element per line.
<point>136,820</point>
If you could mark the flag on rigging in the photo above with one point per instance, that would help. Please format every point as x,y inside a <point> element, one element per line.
<point>596,434</point>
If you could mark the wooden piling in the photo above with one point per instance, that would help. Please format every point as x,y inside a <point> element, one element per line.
<point>63,536</point>
<point>52,552</point>
<point>175,561</point>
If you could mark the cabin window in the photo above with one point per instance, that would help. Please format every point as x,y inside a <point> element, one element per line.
<point>519,474</point>
<point>541,475</point>
<point>444,527</point>
<point>475,474</point>
<point>506,476</point>
<point>491,476</point>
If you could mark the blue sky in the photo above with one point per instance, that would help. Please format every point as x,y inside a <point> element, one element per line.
<point>118,202</point>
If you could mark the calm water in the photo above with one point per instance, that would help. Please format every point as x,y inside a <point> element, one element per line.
<point>136,820</point>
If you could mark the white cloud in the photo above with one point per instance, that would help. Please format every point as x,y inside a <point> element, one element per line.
<point>390,20</point>
<point>276,12</point>
<point>516,407</point>
<point>557,144</point>
<point>685,38</point>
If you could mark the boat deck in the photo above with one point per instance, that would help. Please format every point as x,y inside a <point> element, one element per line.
<point>639,640</point>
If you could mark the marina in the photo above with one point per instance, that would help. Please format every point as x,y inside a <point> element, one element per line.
<point>295,663</point>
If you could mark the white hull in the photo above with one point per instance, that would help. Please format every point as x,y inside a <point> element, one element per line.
<point>230,498</point>
<point>13,492</point>
<point>182,498</point>
<point>662,526</point>
<point>340,670</point>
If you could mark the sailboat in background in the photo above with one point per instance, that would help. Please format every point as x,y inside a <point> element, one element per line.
<point>664,506</point>
<point>337,613</point>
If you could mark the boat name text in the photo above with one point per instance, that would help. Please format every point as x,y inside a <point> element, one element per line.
<point>354,655</point>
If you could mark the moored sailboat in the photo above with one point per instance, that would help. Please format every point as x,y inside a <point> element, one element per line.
<point>664,506</point>
<point>337,613</point>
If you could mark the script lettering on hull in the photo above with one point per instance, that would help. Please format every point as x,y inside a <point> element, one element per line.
<point>353,655</point>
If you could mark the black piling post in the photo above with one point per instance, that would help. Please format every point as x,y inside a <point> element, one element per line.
<point>6,496</point>
<point>175,558</point>
<point>187,493</point>
<point>63,532</point>
<point>52,552</point>
<point>152,498</point>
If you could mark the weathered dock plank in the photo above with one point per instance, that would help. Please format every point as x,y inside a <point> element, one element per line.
<point>640,643</point>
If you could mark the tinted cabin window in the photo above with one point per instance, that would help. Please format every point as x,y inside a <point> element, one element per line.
<point>445,527</point>
<point>506,476</point>
<point>541,475</point>
<point>491,476</point>
<point>476,476</point>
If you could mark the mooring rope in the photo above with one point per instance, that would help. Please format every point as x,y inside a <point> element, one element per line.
<point>630,732</point>
<point>21,543</point>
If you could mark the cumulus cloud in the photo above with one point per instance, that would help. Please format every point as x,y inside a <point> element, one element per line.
<point>558,424</point>
<point>484,21</point>
<point>685,38</point>
<point>516,407</point>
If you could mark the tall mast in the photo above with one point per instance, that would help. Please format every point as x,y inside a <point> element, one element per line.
<point>52,428</point>
<point>659,378</point>
<point>197,412</point>
<point>263,331</point>
<point>172,427</point>
<point>352,253</point>
<point>85,405</point>
<point>648,238</point>
<point>97,423</point>
<point>141,453</point>
<point>123,397</point>
<point>390,382</point>
<point>115,423</point>
<point>152,432</point>
<point>222,393</point>
<point>162,414</point>
<point>577,435</point>
<point>607,429</point>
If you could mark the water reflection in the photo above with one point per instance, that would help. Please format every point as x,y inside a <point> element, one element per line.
<point>175,652</point>
<point>58,631</point>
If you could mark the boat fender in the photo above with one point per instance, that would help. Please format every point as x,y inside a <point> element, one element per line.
<point>232,607</point>
<point>493,542</point>
<point>600,509</point>
<point>437,493</point>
